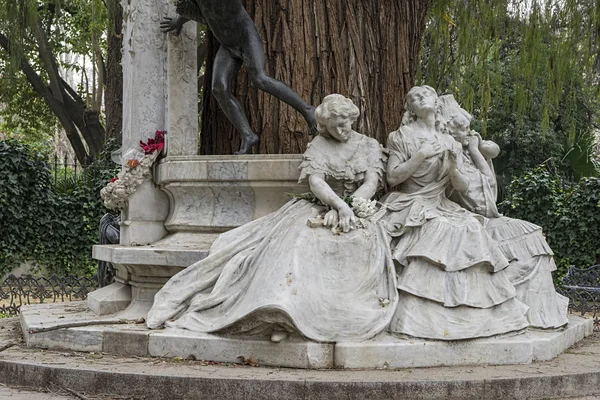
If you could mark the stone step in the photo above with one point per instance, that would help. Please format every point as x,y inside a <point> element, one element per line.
<point>63,326</point>
<point>574,373</point>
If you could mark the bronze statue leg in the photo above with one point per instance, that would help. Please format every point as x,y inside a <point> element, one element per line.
<point>225,68</point>
<point>254,61</point>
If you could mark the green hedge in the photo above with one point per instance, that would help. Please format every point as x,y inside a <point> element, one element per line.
<point>53,227</point>
<point>568,211</point>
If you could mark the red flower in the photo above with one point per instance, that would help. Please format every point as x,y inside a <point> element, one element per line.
<point>114,179</point>
<point>154,144</point>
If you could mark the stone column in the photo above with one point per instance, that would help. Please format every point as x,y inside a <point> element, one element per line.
<point>160,92</point>
<point>182,87</point>
<point>144,109</point>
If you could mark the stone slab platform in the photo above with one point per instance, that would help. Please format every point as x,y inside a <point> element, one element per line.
<point>181,250</point>
<point>71,326</point>
<point>574,373</point>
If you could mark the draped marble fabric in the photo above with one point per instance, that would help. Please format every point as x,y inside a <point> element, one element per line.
<point>530,258</point>
<point>278,273</point>
<point>452,277</point>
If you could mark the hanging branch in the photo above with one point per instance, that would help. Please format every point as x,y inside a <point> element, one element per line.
<point>58,107</point>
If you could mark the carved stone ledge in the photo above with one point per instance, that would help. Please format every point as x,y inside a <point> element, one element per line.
<point>218,193</point>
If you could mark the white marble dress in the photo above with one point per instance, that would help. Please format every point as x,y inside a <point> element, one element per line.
<point>277,273</point>
<point>523,244</point>
<point>452,280</point>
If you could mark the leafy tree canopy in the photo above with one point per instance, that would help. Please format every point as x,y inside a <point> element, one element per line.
<point>528,72</point>
<point>39,41</point>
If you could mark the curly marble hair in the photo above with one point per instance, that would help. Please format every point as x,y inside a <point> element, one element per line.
<point>334,105</point>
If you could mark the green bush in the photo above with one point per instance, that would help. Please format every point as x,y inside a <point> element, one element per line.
<point>568,212</point>
<point>24,201</point>
<point>53,228</point>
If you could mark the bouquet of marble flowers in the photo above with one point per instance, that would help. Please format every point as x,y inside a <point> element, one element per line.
<point>137,169</point>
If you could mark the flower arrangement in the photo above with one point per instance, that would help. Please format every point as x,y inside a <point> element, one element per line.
<point>362,208</point>
<point>138,168</point>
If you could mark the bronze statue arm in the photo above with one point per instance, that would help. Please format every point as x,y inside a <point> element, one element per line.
<point>169,24</point>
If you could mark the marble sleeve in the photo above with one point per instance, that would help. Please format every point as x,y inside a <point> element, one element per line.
<point>312,161</point>
<point>397,145</point>
<point>376,159</point>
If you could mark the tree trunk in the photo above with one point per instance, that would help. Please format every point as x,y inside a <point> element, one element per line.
<point>69,108</point>
<point>366,50</point>
<point>113,96</point>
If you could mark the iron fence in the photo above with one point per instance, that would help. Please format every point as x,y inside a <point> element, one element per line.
<point>582,287</point>
<point>27,289</point>
<point>67,173</point>
<point>67,169</point>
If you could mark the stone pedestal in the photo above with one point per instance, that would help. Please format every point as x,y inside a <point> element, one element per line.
<point>62,326</point>
<point>160,93</point>
<point>218,193</point>
<point>206,195</point>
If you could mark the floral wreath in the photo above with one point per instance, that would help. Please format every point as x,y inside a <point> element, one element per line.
<point>138,168</point>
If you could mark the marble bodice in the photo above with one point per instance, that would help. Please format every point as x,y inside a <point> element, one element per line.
<point>343,164</point>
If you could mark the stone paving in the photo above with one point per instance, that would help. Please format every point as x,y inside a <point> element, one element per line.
<point>23,394</point>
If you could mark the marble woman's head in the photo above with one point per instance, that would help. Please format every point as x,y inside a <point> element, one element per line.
<point>420,100</point>
<point>335,116</point>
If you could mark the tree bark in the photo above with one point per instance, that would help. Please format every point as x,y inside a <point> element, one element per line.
<point>113,96</point>
<point>66,104</point>
<point>366,50</point>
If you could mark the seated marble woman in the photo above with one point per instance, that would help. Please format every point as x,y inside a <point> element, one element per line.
<point>452,278</point>
<point>521,242</point>
<point>276,275</point>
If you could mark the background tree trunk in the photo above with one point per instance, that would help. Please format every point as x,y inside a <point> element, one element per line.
<point>113,96</point>
<point>367,50</point>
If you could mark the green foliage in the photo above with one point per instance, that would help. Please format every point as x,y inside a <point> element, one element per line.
<point>527,71</point>
<point>542,46</point>
<point>24,189</point>
<point>23,114</point>
<point>72,36</point>
<point>53,228</point>
<point>568,212</point>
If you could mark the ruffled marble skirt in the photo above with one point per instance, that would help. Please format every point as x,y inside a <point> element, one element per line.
<point>453,283</point>
<point>530,270</point>
<point>278,273</point>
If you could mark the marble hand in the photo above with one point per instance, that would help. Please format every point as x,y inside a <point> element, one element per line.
<point>331,219</point>
<point>347,219</point>
<point>474,141</point>
<point>430,150</point>
<point>452,158</point>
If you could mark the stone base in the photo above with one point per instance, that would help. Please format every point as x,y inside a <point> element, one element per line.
<point>390,351</point>
<point>109,299</point>
<point>71,326</point>
<point>294,353</point>
<point>142,270</point>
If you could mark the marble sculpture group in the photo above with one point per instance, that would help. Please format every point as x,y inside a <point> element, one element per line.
<point>433,260</point>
